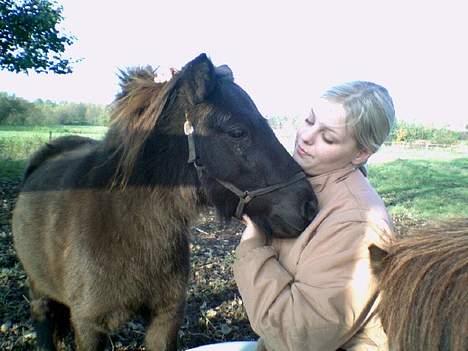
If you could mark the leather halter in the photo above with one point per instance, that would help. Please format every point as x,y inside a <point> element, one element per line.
<point>244,196</point>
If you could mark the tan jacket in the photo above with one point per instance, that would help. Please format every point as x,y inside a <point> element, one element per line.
<point>317,292</point>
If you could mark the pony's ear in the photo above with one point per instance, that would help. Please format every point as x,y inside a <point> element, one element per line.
<point>198,79</point>
<point>377,258</point>
<point>225,73</point>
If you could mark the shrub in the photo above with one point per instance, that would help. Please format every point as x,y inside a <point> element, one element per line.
<point>410,132</point>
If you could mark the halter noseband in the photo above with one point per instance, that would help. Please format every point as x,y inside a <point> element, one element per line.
<point>244,196</point>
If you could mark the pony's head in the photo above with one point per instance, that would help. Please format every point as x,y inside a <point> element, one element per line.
<point>202,126</point>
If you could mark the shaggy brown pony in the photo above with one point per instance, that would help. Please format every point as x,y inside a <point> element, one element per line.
<point>424,288</point>
<point>101,227</point>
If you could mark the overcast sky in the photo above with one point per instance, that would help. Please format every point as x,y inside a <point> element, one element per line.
<point>283,54</point>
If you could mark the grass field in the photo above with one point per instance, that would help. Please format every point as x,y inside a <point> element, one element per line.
<point>17,143</point>
<point>423,189</point>
<point>44,131</point>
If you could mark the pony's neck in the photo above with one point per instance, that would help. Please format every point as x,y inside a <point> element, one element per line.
<point>160,165</point>
<point>163,170</point>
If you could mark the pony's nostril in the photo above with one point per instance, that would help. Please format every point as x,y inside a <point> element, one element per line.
<point>310,210</point>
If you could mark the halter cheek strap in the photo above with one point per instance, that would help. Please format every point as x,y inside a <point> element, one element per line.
<point>244,196</point>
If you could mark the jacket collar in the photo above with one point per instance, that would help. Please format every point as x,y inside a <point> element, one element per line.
<point>319,182</point>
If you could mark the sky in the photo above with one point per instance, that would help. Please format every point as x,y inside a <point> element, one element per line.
<point>283,53</point>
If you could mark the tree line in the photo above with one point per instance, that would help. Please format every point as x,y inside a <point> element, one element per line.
<point>18,111</point>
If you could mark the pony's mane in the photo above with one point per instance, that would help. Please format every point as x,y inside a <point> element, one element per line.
<point>134,114</point>
<point>424,289</point>
<point>136,111</point>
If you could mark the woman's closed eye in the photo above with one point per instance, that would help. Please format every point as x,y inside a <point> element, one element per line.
<point>327,139</point>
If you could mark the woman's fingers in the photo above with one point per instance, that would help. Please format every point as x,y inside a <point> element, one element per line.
<point>246,219</point>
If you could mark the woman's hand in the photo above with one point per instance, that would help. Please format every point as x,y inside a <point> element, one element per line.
<point>251,230</point>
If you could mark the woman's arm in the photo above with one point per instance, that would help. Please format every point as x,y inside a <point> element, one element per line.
<point>319,307</point>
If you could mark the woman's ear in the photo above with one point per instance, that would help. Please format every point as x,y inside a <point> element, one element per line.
<point>361,157</point>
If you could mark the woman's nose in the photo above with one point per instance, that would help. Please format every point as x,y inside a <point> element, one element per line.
<point>309,133</point>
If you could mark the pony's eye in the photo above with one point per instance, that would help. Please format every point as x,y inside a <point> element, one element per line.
<point>236,133</point>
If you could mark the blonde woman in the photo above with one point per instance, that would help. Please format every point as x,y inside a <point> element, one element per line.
<point>317,292</point>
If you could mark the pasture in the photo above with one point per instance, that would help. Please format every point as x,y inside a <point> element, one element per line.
<point>18,142</point>
<point>415,186</point>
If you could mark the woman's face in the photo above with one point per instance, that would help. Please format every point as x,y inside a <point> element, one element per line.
<point>324,143</point>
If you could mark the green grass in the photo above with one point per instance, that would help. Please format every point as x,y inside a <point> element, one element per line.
<point>61,129</point>
<point>423,189</point>
<point>11,169</point>
<point>19,142</point>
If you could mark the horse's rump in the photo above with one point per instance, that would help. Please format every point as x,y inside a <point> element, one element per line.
<point>424,283</point>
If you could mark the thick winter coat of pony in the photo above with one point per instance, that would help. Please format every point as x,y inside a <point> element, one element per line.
<point>424,288</point>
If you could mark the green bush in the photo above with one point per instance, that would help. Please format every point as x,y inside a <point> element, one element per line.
<point>445,136</point>
<point>410,132</point>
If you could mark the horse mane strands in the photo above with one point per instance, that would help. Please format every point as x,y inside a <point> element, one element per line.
<point>424,289</point>
<point>134,115</point>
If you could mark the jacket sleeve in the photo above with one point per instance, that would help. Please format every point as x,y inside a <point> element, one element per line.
<point>320,305</point>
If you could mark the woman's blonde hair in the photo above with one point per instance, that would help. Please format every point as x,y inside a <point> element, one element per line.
<point>369,111</point>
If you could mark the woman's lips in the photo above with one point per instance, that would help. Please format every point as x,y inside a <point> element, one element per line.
<point>301,151</point>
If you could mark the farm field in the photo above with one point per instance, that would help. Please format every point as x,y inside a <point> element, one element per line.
<point>416,185</point>
<point>19,142</point>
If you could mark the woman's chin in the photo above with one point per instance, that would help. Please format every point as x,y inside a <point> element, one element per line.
<point>297,157</point>
<point>300,160</point>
